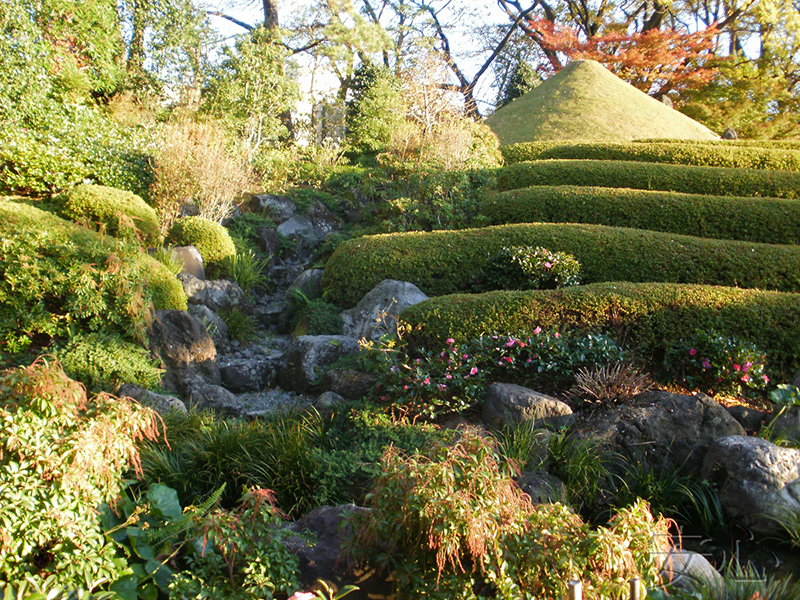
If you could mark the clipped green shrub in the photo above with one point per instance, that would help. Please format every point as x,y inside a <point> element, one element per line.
<point>104,362</point>
<point>649,316</point>
<point>57,278</point>
<point>675,152</point>
<point>651,176</point>
<point>763,220</point>
<point>211,240</point>
<point>444,262</point>
<point>111,211</point>
<point>527,268</point>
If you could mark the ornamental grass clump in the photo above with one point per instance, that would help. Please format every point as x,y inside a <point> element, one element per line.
<point>451,523</point>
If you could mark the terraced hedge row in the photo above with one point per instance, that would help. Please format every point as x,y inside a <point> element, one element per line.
<point>711,181</point>
<point>788,144</point>
<point>648,316</point>
<point>675,152</point>
<point>444,262</point>
<point>762,220</point>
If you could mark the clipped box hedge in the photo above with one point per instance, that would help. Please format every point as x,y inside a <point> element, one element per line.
<point>762,220</point>
<point>788,144</point>
<point>444,262</point>
<point>711,181</point>
<point>675,152</point>
<point>648,316</point>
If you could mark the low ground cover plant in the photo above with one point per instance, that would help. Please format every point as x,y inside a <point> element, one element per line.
<point>761,220</point>
<point>650,317</point>
<point>672,152</point>
<point>651,176</point>
<point>445,262</point>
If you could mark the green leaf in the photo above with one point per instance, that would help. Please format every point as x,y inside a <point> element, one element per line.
<point>164,501</point>
<point>162,574</point>
<point>125,587</point>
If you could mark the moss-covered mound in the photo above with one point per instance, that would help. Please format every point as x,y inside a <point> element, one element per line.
<point>211,239</point>
<point>57,278</point>
<point>444,262</point>
<point>673,152</point>
<point>112,211</point>
<point>648,316</point>
<point>585,101</point>
<point>711,181</point>
<point>761,220</point>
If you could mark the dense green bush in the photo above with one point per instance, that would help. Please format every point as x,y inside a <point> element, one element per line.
<point>712,181</point>
<point>57,279</point>
<point>527,268</point>
<point>676,152</point>
<point>104,362</point>
<point>761,143</point>
<point>764,220</point>
<point>444,262</point>
<point>61,455</point>
<point>648,316</point>
<point>211,240</point>
<point>111,211</point>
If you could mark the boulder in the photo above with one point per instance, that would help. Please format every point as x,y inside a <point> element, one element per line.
<point>730,134</point>
<point>348,383</point>
<point>664,431</point>
<point>309,283</point>
<point>161,403</point>
<point>214,397</point>
<point>247,375</point>
<point>191,260</point>
<point>684,570</point>
<point>270,243</point>
<point>750,419</point>
<point>376,313</point>
<point>301,231</point>
<point>213,323</point>
<point>326,402</point>
<point>542,487</point>
<point>308,355</point>
<point>186,350</point>
<point>511,404</point>
<point>758,481</point>
<point>188,209</point>
<point>277,208</point>
<point>218,295</point>
<point>322,218</point>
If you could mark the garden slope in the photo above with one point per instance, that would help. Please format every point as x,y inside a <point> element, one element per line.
<point>586,101</point>
<point>444,262</point>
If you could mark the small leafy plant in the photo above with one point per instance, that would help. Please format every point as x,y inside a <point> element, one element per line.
<point>247,270</point>
<point>716,364</point>
<point>527,268</point>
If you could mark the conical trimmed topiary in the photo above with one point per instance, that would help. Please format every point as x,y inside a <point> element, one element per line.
<point>586,101</point>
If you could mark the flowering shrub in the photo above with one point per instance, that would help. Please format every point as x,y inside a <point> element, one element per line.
<point>431,384</point>
<point>717,364</point>
<point>527,268</point>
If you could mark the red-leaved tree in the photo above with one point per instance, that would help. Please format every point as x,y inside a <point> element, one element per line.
<point>655,61</point>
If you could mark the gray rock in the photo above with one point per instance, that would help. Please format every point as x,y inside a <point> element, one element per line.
<point>749,418</point>
<point>730,134</point>
<point>270,243</point>
<point>510,404</point>
<point>684,570</point>
<point>215,397</point>
<point>787,425</point>
<point>758,481</point>
<point>302,232</point>
<point>218,295</point>
<point>664,431</point>
<point>213,323</point>
<point>309,283</point>
<point>191,260</point>
<point>348,383</point>
<point>248,375</point>
<point>308,355</point>
<point>277,208</point>
<point>796,380</point>
<point>188,209</point>
<point>376,313</point>
<point>322,218</point>
<point>161,403</point>
<point>542,487</point>
<point>327,401</point>
<point>186,350</point>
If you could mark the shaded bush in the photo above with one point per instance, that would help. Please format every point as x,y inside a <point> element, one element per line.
<point>444,262</point>
<point>764,220</point>
<point>211,240</point>
<point>674,152</point>
<point>651,176</point>
<point>111,211</point>
<point>527,268</point>
<point>651,317</point>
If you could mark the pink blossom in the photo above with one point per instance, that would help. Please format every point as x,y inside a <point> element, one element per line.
<point>557,335</point>
<point>765,378</point>
<point>693,351</point>
<point>405,387</point>
<point>509,343</point>
<point>473,370</point>
<point>508,359</point>
<point>547,265</point>
<point>449,341</point>
<point>537,331</point>
<point>737,368</point>
<point>706,363</point>
<point>426,381</point>
<point>303,596</point>
<point>442,386</point>
<point>746,366</point>
<point>448,376</point>
<point>745,377</point>
<point>464,356</point>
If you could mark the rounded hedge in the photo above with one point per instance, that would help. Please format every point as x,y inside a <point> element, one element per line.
<point>712,181</point>
<point>111,211</point>
<point>444,262</point>
<point>648,316</point>
<point>762,220</point>
<point>675,152</point>
<point>211,239</point>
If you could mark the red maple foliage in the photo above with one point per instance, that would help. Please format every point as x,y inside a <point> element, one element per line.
<point>655,61</point>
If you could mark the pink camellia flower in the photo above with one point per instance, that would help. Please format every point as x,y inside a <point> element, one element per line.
<point>745,377</point>
<point>509,343</point>
<point>557,335</point>
<point>693,351</point>
<point>537,331</point>
<point>449,341</point>
<point>303,596</point>
<point>706,363</point>
<point>405,387</point>
<point>442,386</point>
<point>765,378</point>
<point>448,376</point>
<point>426,381</point>
<point>547,265</point>
<point>746,366</point>
<point>737,368</point>
<point>473,371</point>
